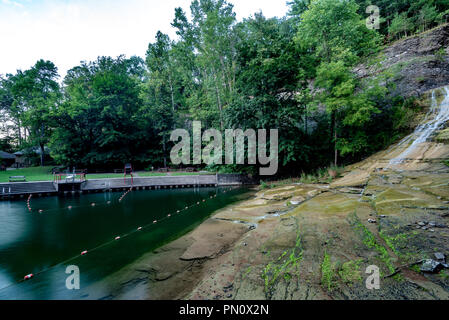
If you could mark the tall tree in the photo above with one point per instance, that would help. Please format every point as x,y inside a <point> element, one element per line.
<point>214,41</point>
<point>36,93</point>
<point>162,90</point>
<point>339,37</point>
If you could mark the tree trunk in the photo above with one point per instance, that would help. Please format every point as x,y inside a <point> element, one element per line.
<point>334,136</point>
<point>172,93</point>
<point>335,147</point>
<point>164,151</point>
<point>42,154</point>
<point>220,107</point>
<point>19,132</point>
<point>305,121</point>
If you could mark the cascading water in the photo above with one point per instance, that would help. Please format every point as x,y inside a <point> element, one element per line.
<point>434,120</point>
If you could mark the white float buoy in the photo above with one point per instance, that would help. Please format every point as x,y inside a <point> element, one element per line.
<point>28,277</point>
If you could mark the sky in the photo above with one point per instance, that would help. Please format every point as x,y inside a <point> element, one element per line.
<point>69,31</point>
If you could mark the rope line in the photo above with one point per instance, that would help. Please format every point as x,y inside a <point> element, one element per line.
<point>29,203</point>
<point>85,252</point>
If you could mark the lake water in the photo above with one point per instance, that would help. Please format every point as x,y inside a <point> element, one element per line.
<point>45,243</point>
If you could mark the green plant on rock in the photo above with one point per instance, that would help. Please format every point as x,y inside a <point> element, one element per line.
<point>371,242</point>
<point>328,273</point>
<point>398,242</point>
<point>440,54</point>
<point>350,271</point>
<point>444,275</point>
<point>283,266</point>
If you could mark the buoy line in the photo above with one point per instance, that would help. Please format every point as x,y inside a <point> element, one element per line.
<point>94,204</point>
<point>29,203</point>
<point>125,194</point>
<point>117,238</point>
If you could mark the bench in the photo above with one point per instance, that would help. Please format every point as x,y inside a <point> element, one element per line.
<point>17,179</point>
<point>119,171</point>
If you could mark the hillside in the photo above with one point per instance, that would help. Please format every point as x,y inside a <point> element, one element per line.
<point>417,64</point>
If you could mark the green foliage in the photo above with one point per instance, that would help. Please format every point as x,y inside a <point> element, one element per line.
<point>264,185</point>
<point>334,28</point>
<point>350,271</point>
<point>328,273</point>
<point>99,121</point>
<point>415,268</point>
<point>400,25</point>
<point>370,241</point>
<point>287,264</point>
<point>6,145</point>
<point>403,18</point>
<point>30,98</point>
<point>441,54</point>
<point>444,274</point>
<point>321,175</point>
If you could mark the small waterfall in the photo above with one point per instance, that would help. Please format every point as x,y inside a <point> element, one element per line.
<point>434,120</point>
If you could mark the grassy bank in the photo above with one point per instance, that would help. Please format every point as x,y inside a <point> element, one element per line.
<point>44,174</point>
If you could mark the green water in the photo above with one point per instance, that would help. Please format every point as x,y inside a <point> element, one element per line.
<point>45,243</point>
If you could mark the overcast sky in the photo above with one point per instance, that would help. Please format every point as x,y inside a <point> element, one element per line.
<point>69,31</point>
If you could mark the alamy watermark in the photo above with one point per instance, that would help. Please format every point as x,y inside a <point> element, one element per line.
<point>212,153</point>
<point>73,280</point>
<point>373,280</point>
<point>373,21</point>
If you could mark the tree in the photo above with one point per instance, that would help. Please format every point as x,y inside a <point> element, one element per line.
<point>161,90</point>
<point>266,84</point>
<point>401,24</point>
<point>338,37</point>
<point>330,26</point>
<point>35,94</point>
<point>214,40</point>
<point>427,15</point>
<point>343,102</point>
<point>297,7</point>
<point>99,122</point>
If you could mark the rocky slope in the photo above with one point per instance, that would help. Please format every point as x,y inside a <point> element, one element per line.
<point>417,64</point>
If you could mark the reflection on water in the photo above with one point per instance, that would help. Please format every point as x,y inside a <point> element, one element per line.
<point>44,244</point>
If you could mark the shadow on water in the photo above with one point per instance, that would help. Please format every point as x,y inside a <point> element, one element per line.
<point>44,244</point>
